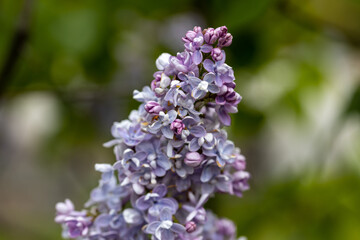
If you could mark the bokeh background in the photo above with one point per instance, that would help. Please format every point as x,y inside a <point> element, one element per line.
<point>68,69</point>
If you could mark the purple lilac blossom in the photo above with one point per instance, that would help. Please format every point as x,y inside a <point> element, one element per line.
<point>172,154</point>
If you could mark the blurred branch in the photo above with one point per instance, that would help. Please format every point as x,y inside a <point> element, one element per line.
<point>17,45</point>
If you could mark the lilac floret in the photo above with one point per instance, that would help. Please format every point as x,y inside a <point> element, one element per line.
<point>222,71</point>
<point>165,228</point>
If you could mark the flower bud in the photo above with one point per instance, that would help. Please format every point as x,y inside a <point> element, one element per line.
<point>225,41</point>
<point>221,31</point>
<point>177,126</point>
<point>217,54</point>
<point>193,159</point>
<point>153,107</point>
<point>190,227</point>
<point>156,82</point>
<point>210,36</point>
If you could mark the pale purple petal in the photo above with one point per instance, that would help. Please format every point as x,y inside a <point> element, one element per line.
<point>142,204</point>
<point>208,65</point>
<point>163,162</point>
<point>161,190</point>
<point>194,81</point>
<point>210,77</point>
<point>172,115</point>
<point>206,48</point>
<point>151,227</point>
<point>165,214</point>
<point>208,173</point>
<point>198,131</point>
<point>194,145</point>
<point>213,88</point>
<point>167,234</point>
<point>168,133</point>
<point>178,228</point>
<point>197,57</point>
<point>224,117</point>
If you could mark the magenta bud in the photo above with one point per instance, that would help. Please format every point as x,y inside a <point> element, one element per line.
<point>225,41</point>
<point>177,126</point>
<point>197,29</point>
<point>221,31</point>
<point>153,107</point>
<point>217,54</point>
<point>210,37</point>
<point>190,227</point>
<point>193,159</point>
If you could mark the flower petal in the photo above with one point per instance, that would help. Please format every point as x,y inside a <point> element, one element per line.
<point>165,214</point>
<point>178,228</point>
<point>208,65</point>
<point>194,145</point>
<point>198,131</point>
<point>168,133</point>
<point>197,57</point>
<point>151,227</point>
<point>206,48</point>
<point>224,116</point>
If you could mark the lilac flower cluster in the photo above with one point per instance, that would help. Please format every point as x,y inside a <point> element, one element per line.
<point>172,154</point>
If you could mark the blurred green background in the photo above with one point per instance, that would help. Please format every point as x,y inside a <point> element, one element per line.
<point>68,69</point>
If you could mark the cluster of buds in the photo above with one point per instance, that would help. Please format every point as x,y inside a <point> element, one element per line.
<point>172,154</point>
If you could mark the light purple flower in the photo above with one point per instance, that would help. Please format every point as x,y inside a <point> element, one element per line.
<point>130,133</point>
<point>201,87</point>
<point>223,72</point>
<point>207,142</point>
<point>108,194</point>
<point>224,152</point>
<point>77,226</point>
<point>197,48</point>
<point>165,228</point>
<point>155,201</point>
<point>156,159</point>
<point>164,123</point>
<point>66,209</point>
<point>182,62</point>
<point>173,93</point>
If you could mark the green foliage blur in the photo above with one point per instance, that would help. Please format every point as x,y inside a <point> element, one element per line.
<point>68,69</point>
